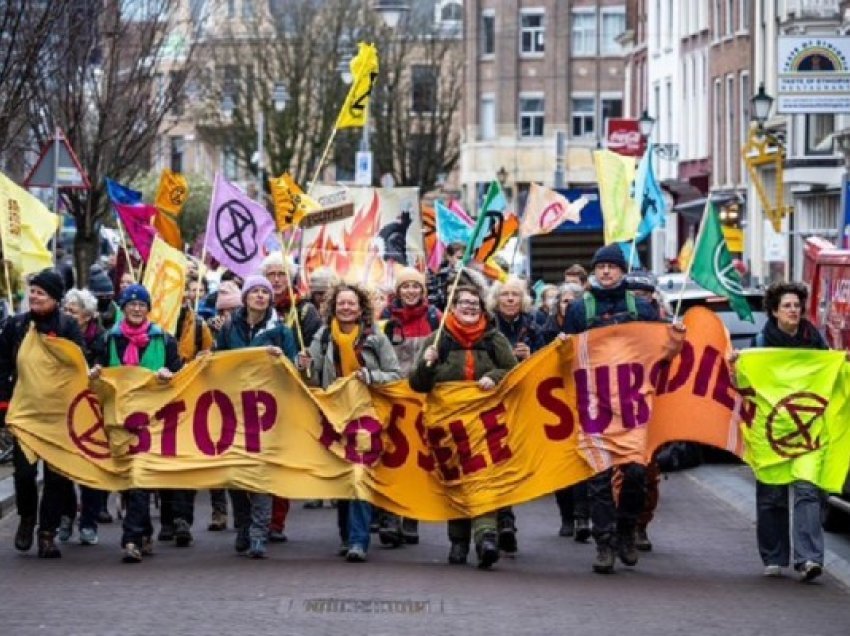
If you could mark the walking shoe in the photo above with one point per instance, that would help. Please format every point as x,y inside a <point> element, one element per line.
<point>582,531</point>
<point>809,571</point>
<point>488,551</point>
<point>66,529</point>
<point>24,534</point>
<point>627,551</point>
<point>104,517</point>
<point>642,541</point>
<point>458,553</point>
<point>218,521</point>
<point>342,550</point>
<point>566,529</point>
<point>313,504</point>
<point>257,549</point>
<point>147,546</point>
<point>390,535</point>
<point>47,547</point>
<point>507,540</point>
<point>182,533</point>
<point>604,563</point>
<point>132,554</point>
<point>166,533</point>
<point>243,540</point>
<point>773,571</point>
<point>88,536</point>
<point>277,536</point>
<point>356,554</point>
<point>410,531</point>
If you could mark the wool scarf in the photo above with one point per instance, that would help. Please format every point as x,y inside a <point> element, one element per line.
<point>137,339</point>
<point>467,336</point>
<point>348,361</point>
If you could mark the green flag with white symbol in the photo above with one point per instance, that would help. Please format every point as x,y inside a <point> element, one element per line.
<point>712,266</point>
<point>796,415</point>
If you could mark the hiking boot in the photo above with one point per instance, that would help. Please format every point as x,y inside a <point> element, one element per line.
<point>218,521</point>
<point>24,534</point>
<point>507,540</point>
<point>132,554</point>
<point>47,547</point>
<point>566,529</point>
<point>410,531</point>
<point>88,536</point>
<point>604,562</point>
<point>166,533</point>
<point>243,540</point>
<point>642,541</point>
<point>182,533</point>
<point>313,504</point>
<point>582,531</point>
<point>104,517</point>
<point>66,529</point>
<point>356,554</point>
<point>147,546</point>
<point>277,536</point>
<point>627,551</point>
<point>458,553</point>
<point>257,549</point>
<point>488,550</point>
<point>809,571</point>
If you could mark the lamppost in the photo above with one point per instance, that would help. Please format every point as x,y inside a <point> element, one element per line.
<point>646,124</point>
<point>280,96</point>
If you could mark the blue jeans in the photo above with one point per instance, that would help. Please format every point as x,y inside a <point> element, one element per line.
<point>359,518</point>
<point>91,502</point>
<point>772,524</point>
<point>137,517</point>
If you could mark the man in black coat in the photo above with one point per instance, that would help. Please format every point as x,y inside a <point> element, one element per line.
<point>44,295</point>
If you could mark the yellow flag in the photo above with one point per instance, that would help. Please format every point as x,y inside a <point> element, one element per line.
<point>10,222</point>
<point>172,192</point>
<point>620,212</point>
<point>37,226</point>
<point>165,279</point>
<point>290,202</point>
<point>364,70</point>
<point>686,254</point>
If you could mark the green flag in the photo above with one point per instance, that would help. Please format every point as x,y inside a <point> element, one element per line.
<point>494,204</point>
<point>712,266</point>
<point>796,415</point>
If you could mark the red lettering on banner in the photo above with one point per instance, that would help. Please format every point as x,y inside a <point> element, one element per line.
<point>469,463</point>
<point>633,403</point>
<point>748,406</point>
<point>442,454</point>
<point>545,396</point>
<point>201,428</point>
<point>724,393</point>
<point>371,426</point>
<point>137,424</point>
<point>255,422</point>
<point>604,414</point>
<point>426,462</point>
<point>395,454</point>
<point>170,417</point>
<point>660,372</point>
<point>496,432</point>
<point>706,366</point>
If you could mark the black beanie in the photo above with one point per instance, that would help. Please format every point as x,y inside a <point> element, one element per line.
<point>99,283</point>
<point>51,282</point>
<point>610,254</point>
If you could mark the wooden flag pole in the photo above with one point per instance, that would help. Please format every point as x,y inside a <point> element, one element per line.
<point>321,162</point>
<point>201,265</point>
<point>289,287</point>
<point>449,302</point>
<point>690,265</point>
<point>126,251</point>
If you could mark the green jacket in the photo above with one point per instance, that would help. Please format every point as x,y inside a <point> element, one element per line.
<point>493,356</point>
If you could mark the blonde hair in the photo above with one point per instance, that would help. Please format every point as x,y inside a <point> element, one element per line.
<point>512,281</point>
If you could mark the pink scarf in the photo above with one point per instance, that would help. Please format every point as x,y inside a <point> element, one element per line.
<point>137,338</point>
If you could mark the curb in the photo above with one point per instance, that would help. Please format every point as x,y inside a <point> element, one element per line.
<point>7,497</point>
<point>736,488</point>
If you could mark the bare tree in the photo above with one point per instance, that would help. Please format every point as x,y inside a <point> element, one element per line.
<point>112,71</point>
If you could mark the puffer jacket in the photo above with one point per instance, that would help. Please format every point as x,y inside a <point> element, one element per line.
<point>373,347</point>
<point>238,334</point>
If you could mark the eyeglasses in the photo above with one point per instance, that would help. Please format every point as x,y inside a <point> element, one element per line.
<point>136,305</point>
<point>472,304</point>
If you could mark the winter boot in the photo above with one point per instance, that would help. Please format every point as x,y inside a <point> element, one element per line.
<point>24,535</point>
<point>604,562</point>
<point>487,550</point>
<point>47,546</point>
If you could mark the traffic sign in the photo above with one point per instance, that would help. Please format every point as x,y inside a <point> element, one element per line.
<point>63,170</point>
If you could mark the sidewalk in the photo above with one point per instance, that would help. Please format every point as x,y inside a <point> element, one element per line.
<point>7,491</point>
<point>734,485</point>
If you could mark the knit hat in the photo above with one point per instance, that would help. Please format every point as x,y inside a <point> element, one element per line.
<point>135,292</point>
<point>99,283</point>
<point>641,280</point>
<point>408,274</point>
<point>611,254</point>
<point>51,282</point>
<point>229,296</point>
<point>322,280</point>
<point>255,280</point>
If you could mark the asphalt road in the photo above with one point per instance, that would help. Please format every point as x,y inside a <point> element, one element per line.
<point>703,577</point>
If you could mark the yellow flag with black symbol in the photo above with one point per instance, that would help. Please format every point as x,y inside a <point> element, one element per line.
<point>364,71</point>
<point>291,203</point>
<point>172,192</point>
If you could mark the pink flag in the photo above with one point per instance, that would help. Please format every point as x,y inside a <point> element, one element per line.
<point>237,228</point>
<point>136,219</point>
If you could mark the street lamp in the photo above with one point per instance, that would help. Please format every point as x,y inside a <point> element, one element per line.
<point>279,97</point>
<point>391,11</point>
<point>761,102</point>
<point>646,124</point>
<point>502,176</point>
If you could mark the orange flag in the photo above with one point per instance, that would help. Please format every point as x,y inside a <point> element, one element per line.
<point>172,192</point>
<point>168,229</point>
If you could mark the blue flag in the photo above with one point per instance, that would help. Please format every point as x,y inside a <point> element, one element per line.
<point>450,227</point>
<point>631,255</point>
<point>121,194</point>
<point>650,198</point>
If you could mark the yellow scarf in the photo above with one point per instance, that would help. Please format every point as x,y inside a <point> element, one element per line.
<point>345,343</point>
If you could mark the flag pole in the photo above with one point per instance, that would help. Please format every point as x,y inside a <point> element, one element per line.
<point>632,253</point>
<point>691,264</point>
<point>200,266</point>
<point>321,161</point>
<point>449,301</point>
<point>126,250</point>
<point>289,288</point>
<point>8,285</point>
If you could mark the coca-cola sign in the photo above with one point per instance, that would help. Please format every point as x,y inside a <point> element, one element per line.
<point>624,137</point>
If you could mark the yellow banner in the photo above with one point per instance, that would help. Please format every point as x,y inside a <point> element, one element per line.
<point>10,221</point>
<point>165,279</point>
<point>245,419</point>
<point>364,71</point>
<point>36,225</point>
<point>291,203</point>
<point>620,212</point>
<point>172,192</point>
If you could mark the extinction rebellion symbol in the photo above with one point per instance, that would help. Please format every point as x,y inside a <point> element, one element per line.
<point>236,230</point>
<point>789,426</point>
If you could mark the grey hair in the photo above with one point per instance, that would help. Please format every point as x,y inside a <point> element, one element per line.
<point>512,281</point>
<point>84,299</point>
<point>570,288</point>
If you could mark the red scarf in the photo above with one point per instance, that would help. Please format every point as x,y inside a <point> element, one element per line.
<point>413,321</point>
<point>137,339</point>
<point>283,303</point>
<point>466,336</point>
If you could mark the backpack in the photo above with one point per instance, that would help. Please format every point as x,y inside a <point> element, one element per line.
<point>591,318</point>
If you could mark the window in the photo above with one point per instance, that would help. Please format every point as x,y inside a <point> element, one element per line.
<point>715,20</point>
<point>451,12</point>
<point>178,147</point>
<point>488,34</point>
<point>657,24</point>
<point>175,87</point>
<point>818,129</point>
<point>611,107</point>
<point>424,89</point>
<point>583,116</point>
<point>531,116</point>
<point>668,108</point>
<point>730,127</point>
<point>613,24</point>
<point>248,9</point>
<point>744,15</point>
<point>531,32</point>
<point>231,8</point>
<point>715,136</point>
<point>230,164</point>
<point>583,32</point>
<point>671,30</point>
<point>744,100</point>
<point>487,122</point>
<point>730,17</point>
<point>230,82</point>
